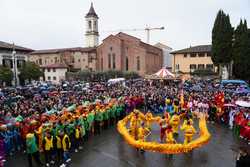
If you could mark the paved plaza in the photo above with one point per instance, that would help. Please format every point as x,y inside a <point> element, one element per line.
<point>110,150</point>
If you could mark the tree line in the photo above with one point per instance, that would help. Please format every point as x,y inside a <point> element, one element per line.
<point>231,46</point>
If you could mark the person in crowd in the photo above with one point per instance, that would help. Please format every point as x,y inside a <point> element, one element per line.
<point>174,122</point>
<point>66,145</point>
<point>243,158</point>
<point>48,145</point>
<point>143,132</point>
<point>32,149</point>
<point>169,135</point>
<point>189,131</point>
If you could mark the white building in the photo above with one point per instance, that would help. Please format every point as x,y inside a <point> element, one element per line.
<point>7,54</point>
<point>92,34</point>
<point>167,57</point>
<point>55,73</point>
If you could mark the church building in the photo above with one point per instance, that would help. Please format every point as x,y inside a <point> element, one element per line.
<point>120,52</point>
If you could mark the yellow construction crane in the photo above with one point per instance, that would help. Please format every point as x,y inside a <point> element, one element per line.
<point>147,29</point>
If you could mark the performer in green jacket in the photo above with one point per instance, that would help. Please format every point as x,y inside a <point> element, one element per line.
<point>32,149</point>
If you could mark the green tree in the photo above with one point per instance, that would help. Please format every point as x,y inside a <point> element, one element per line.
<point>6,75</point>
<point>30,71</point>
<point>222,34</point>
<point>241,51</point>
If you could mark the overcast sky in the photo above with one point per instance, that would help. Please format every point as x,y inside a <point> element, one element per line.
<point>42,24</point>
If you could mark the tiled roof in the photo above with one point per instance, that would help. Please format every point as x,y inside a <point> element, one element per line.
<point>194,49</point>
<point>5,45</point>
<point>91,12</point>
<point>57,65</point>
<point>76,49</point>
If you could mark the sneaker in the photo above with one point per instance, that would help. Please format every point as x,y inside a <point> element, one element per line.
<point>47,164</point>
<point>52,162</point>
<point>80,148</point>
<point>63,165</point>
<point>76,150</point>
<point>68,160</point>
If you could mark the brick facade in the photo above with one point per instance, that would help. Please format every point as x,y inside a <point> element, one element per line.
<point>127,53</point>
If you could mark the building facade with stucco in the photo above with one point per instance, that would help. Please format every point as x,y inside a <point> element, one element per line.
<point>13,57</point>
<point>193,58</point>
<point>75,58</point>
<point>55,73</point>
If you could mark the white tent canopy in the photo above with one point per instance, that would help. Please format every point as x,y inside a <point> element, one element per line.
<point>164,73</point>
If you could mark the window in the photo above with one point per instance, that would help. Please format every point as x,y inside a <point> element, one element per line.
<point>51,60</point>
<point>20,63</point>
<point>193,55</point>
<point>49,78</point>
<point>56,59</point>
<point>113,59</point>
<point>201,66</point>
<point>40,62</point>
<point>79,60</point>
<point>48,69</point>
<point>138,63</point>
<point>177,66</point>
<point>209,54</point>
<point>109,60</point>
<point>111,48</point>
<point>7,63</point>
<point>83,60</point>
<point>45,61</point>
<point>95,25</point>
<point>54,78</point>
<point>89,23</point>
<point>185,55</point>
<point>72,60</point>
<point>90,59</point>
<point>126,63</point>
<point>192,66</point>
<point>201,54</point>
<point>54,70</point>
<point>210,66</point>
<point>101,63</point>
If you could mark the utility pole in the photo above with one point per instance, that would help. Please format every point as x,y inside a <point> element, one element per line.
<point>14,65</point>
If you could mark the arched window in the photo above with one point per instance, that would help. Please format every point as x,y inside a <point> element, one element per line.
<point>126,63</point>
<point>113,59</point>
<point>138,63</point>
<point>89,23</point>
<point>95,25</point>
<point>109,61</point>
<point>101,64</point>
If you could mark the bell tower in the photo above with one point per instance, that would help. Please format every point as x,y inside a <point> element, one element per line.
<point>92,33</point>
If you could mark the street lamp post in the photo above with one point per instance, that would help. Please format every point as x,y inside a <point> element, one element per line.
<point>14,65</point>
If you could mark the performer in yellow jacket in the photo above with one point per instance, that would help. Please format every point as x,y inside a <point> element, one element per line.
<point>39,133</point>
<point>135,122</point>
<point>174,122</point>
<point>169,135</point>
<point>48,148</point>
<point>143,132</point>
<point>189,131</point>
<point>148,118</point>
